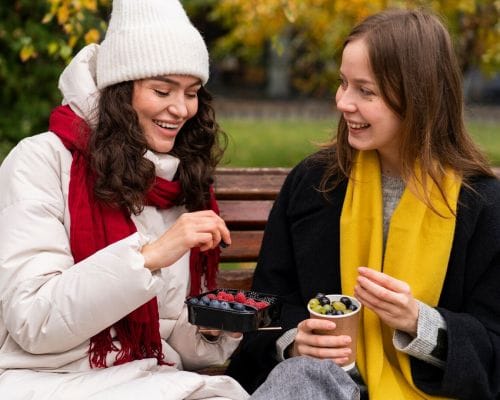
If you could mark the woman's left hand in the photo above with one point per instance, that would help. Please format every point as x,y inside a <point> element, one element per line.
<point>389,298</point>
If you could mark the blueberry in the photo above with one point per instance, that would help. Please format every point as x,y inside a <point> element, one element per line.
<point>352,307</point>
<point>238,307</point>
<point>319,295</point>
<point>205,300</point>
<point>225,305</point>
<point>324,301</point>
<point>193,300</point>
<point>214,304</point>
<point>346,300</point>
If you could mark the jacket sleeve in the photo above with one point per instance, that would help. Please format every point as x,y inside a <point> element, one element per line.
<point>470,304</point>
<point>48,303</point>
<point>195,350</point>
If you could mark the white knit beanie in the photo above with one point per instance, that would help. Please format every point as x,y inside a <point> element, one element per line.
<point>148,38</point>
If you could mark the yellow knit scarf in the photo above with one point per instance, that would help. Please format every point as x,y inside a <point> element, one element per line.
<point>417,251</point>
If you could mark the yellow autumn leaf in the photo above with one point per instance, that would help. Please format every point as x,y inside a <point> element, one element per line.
<point>468,6</point>
<point>72,41</point>
<point>76,5</point>
<point>62,14</point>
<point>90,4</point>
<point>68,28</point>
<point>27,52</point>
<point>92,36</point>
<point>47,18</point>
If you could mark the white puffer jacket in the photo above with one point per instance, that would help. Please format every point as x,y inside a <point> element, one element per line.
<point>50,306</point>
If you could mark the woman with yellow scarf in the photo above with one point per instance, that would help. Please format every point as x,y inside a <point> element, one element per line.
<point>402,211</point>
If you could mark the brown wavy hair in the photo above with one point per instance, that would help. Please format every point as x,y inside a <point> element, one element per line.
<point>417,72</point>
<point>117,146</point>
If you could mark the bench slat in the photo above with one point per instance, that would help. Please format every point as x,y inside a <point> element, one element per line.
<point>249,183</point>
<point>245,246</point>
<point>240,214</point>
<point>235,278</point>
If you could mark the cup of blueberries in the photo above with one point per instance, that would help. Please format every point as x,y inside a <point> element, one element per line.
<point>345,311</point>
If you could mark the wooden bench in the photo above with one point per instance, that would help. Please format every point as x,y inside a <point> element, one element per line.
<point>245,197</point>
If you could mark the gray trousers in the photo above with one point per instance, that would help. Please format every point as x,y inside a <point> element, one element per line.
<point>307,378</point>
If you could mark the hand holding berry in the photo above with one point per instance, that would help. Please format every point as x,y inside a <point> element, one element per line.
<point>389,298</point>
<point>203,229</point>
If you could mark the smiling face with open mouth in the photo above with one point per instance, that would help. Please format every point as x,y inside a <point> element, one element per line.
<point>163,105</point>
<point>372,124</point>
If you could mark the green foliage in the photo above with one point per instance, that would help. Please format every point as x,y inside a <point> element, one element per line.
<point>33,54</point>
<point>27,89</point>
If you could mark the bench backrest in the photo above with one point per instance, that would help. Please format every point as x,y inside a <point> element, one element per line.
<point>245,197</point>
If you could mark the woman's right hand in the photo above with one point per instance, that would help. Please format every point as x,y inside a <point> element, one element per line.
<point>308,343</point>
<point>203,229</point>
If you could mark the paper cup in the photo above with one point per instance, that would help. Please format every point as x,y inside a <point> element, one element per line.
<point>347,324</point>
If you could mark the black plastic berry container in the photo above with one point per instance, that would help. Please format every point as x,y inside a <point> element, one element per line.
<point>247,320</point>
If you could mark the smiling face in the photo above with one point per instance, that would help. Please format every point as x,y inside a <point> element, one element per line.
<point>372,124</point>
<point>163,105</point>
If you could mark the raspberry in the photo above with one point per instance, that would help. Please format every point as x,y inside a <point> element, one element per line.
<point>229,297</point>
<point>240,297</point>
<point>221,295</point>
<point>261,304</point>
<point>212,296</point>
<point>251,302</point>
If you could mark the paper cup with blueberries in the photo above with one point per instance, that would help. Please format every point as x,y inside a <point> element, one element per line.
<point>345,311</point>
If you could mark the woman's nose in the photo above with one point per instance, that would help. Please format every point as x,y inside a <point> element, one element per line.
<point>345,102</point>
<point>178,108</point>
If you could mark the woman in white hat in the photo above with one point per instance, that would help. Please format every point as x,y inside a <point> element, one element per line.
<point>108,222</point>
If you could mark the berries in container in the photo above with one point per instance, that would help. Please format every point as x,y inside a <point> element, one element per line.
<point>233,310</point>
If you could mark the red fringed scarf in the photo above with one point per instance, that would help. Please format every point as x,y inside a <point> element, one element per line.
<point>95,225</point>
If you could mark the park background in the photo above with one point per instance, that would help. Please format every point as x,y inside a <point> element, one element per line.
<point>274,66</point>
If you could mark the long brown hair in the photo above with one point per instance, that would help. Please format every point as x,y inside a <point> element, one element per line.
<point>117,146</point>
<point>417,72</point>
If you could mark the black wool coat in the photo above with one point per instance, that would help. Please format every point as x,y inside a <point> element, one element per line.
<point>300,257</point>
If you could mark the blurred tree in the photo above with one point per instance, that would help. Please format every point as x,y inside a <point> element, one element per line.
<point>318,27</point>
<point>37,38</point>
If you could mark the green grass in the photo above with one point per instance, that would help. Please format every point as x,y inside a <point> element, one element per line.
<point>283,143</point>
<point>487,136</point>
<point>273,143</point>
